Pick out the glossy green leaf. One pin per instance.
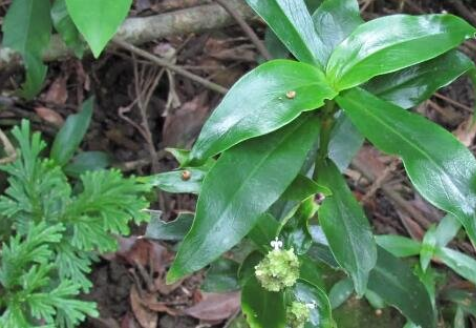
(258, 104)
(87, 161)
(66, 28)
(321, 314)
(406, 88)
(399, 246)
(334, 21)
(27, 30)
(345, 142)
(292, 23)
(274, 45)
(395, 283)
(390, 43)
(174, 230)
(221, 277)
(227, 209)
(341, 292)
(185, 180)
(374, 300)
(427, 248)
(462, 264)
(439, 166)
(263, 309)
(302, 188)
(446, 230)
(311, 272)
(265, 230)
(72, 133)
(98, 21)
(411, 86)
(346, 227)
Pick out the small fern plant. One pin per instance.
(54, 231)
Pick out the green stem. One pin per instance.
(327, 124)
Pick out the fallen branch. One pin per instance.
(145, 29)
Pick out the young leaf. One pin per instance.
(302, 188)
(71, 134)
(98, 21)
(27, 29)
(227, 207)
(334, 21)
(427, 248)
(439, 166)
(391, 43)
(411, 86)
(346, 227)
(396, 284)
(446, 230)
(292, 23)
(462, 264)
(267, 98)
(263, 309)
(66, 28)
(398, 246)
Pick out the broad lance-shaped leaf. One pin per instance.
(406, 88)
(243, 184)
(292, 23)
(395, 283)
(334, 21)
(411, 86)
(461, 263)
(27, 29)
(346, 227)
(439, 166)
(391, 43)
(265, 99)
(98, 21)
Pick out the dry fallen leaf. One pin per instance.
(57, 92)
(215, 306)
(145, 317)
(49, 116)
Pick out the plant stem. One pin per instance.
(327, 124)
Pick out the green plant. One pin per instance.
(28, 26)
(56, 227)
(284, 133)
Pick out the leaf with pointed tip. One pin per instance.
(391, 43)
(462, 264)
(72, 133)
(446, 230)
(245, 181)
(406, 88)
(442, 170)
(334, 21)
(398, 246)
(65, 27)
(411, 86)
(258, 104)
(292, 23)
(346, 227)
(395, 283)
(98, 21)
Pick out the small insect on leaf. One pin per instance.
(186, 175)
(291, 94)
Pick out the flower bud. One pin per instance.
(297, 315)
(278, 270)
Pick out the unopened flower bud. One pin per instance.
(278, 270)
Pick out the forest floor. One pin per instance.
(142, 109)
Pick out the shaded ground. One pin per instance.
(129, 286)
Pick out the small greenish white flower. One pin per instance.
(298, 314)
(279, 269)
